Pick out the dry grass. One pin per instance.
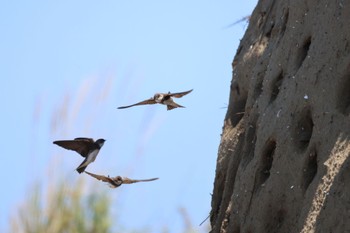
(69, 204)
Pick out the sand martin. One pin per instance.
(86, 147)
(115, 182)
(162, 98)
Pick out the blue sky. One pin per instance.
(67, 65)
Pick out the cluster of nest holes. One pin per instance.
(276, 86)
(238, 105)
(343, 98)
(303, 51)
(303, 130)
(309, 169)
(263, 172)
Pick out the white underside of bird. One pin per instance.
(91, 158)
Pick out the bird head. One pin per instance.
(100, 142)
(158, 97)
(117, 181)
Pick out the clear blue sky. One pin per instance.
(87, 58)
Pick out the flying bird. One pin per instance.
(162, 98)
(86, 147)
(115, 182)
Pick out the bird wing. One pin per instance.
(180, 94)
(99, 177)
(126, 180)
(90, 140)
(79, 145)
(149, 101)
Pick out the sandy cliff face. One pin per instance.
(283, 163)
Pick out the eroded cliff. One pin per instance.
(283, 162)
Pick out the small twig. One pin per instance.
(245, 18)
(204, 220)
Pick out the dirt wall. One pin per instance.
(283, 163)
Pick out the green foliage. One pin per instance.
(68, 207)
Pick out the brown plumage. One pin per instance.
(115, 182)
(162, 98)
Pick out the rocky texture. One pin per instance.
(283, 163)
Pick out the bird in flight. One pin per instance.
(86, 147)
(162, 98)
(115, 182)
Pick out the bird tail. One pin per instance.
(81, 169)
(174, 105)
(82, 166)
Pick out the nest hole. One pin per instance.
(249, 145)
(304, 129)
(263, 173)
(276, 86)
(303, 51)
(309, 170)
(343, 98)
